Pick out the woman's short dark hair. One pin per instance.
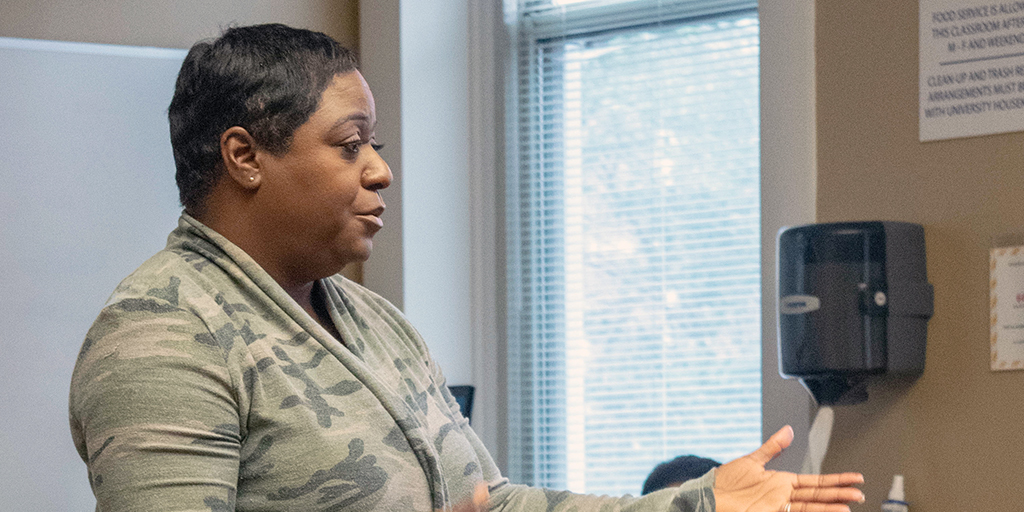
(265, 78)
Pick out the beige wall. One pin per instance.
(955, 432)
(169, 24)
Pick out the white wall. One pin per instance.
(88, 194)
(426, 270)
(435, 138)
(788, 170)
(439, 254)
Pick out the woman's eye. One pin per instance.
(351, 148)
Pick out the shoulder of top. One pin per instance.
(167, 277)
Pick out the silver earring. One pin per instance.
(252, 178)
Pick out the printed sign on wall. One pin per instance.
(971, 77)
(1006, 282)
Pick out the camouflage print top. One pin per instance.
(203, 386)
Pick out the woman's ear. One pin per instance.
(238, 153)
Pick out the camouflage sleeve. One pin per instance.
(694, 496)
(155, 411)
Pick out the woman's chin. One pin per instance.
(359, 252)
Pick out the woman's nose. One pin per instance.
(377, 174)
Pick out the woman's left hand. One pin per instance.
(476, 503)
(743, 485)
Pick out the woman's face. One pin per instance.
(318, 201)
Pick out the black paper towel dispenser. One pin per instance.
(854, 301)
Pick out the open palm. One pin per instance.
(743, 485)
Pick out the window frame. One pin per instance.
(788, 195)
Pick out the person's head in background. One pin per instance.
(676, 471)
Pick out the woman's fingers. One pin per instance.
(481, 496)
(743, 482)
(827, 495)
(477, 503)
(818, 507)
(773, 446)
(832, 480)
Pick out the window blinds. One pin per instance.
(634, 240)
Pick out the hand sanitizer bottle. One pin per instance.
(896, 502)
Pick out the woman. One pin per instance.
(235, 370)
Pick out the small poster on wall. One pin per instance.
(971, 68)
(1006, 282)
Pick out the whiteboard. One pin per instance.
(87, 194)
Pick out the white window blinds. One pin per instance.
(633, 236)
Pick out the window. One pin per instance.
(634, 240)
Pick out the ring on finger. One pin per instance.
(789, 505)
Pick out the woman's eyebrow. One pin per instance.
(357, 116)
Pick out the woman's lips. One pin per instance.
(372, 219)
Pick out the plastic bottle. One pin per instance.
(896, 501)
